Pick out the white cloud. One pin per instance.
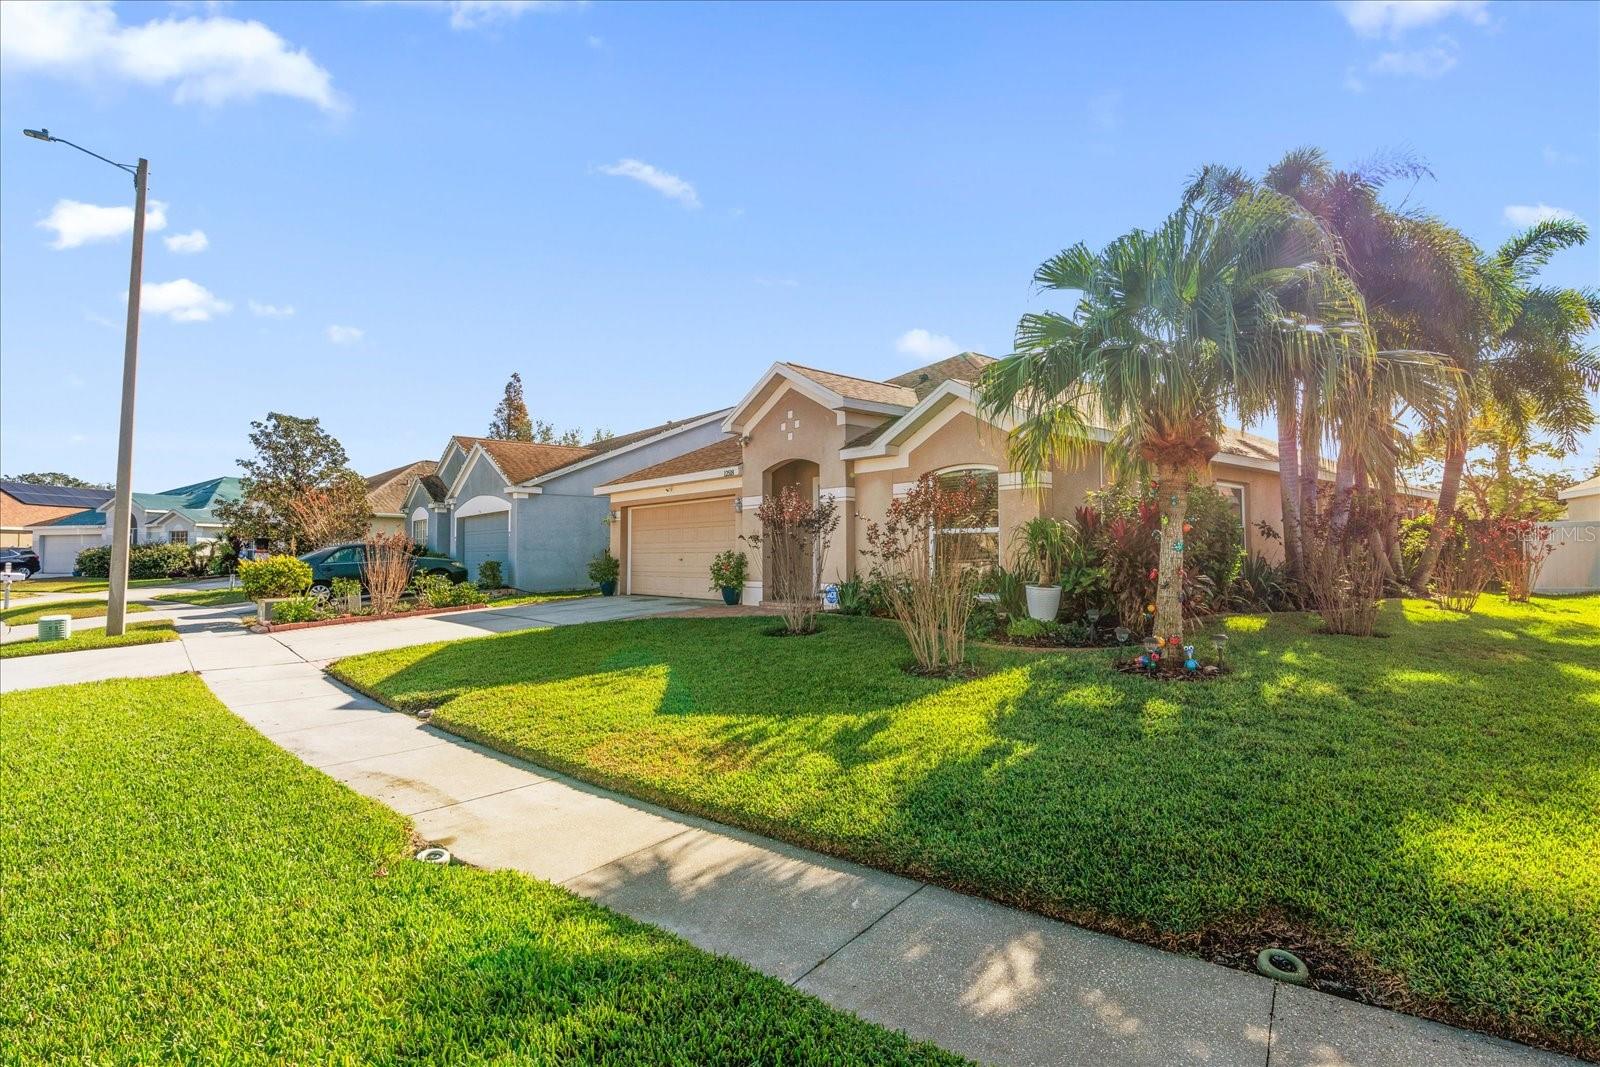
(1392, 18)
(1555, 157)
(476, 14)
(210, 60)
(182, 301)
(926, 345)
(345, 335)
(271, 311)
(1531, 214)
(1432, 62)
(668, 185)
(186, 244)
(594, 42)
(75, 223)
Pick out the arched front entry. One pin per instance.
(805, 478)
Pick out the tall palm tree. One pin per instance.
(1173, 327)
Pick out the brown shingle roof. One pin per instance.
(435, 486)
(858, 388)
(521, 460)
(611, 444)
(387, 492)
(964, 367)
(717, 456)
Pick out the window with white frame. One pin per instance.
(1234, 493)
(178, 537)
(975, 537)
(419, 531)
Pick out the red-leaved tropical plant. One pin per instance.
(931, 577)
(795, 532)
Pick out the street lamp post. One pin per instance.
(122, 508)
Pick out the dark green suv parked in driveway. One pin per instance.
(346, 560)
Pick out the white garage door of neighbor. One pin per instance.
(58, 553)
(671, 546)
(484, 537)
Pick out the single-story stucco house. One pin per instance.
(23, 504)
(184, 515)
(1582, 500)
(386, 495)
(531, 506)
(862, 443)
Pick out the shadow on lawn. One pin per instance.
(1337, 785)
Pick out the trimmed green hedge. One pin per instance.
(160, 560)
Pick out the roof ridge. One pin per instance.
(836, 374)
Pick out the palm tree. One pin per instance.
(1529, 368)
(1173, 327)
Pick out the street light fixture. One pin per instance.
(122, 508)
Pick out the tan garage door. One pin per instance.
(671, 546)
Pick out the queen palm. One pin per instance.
(1173, 327)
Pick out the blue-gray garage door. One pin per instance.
(484, 537)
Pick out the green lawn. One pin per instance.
(206, 598)
(78, 609)
(177, 889)
(139, 633)
(36, 586)
(1420, 809)
(541, 598)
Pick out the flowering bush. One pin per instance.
(728, 570)
(794, 533)
(930, 579)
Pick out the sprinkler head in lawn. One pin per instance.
(1283, 965)
(435, 854)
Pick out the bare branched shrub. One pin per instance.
(326, 516)
(1478, 551)
(387, 570)
(930, 578)
(795, 533)
(1343, 574)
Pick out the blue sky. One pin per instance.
(639, 207)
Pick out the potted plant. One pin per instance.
(1044, 541)
(603, 571)
(728, 572)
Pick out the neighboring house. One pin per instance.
(184, 515)
(532, 507)
(386, 495)
(23, 504)
(1583, 500)
(863, 443)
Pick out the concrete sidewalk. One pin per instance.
(990, 982)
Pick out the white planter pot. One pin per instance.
(1044, 602)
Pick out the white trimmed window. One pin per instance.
(977, 535)
(419, 531)
(1234, 493)
(178, 537)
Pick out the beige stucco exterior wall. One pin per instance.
(386, 525)
(1586, 508)
(1263, 502)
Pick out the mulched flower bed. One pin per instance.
(1170, 670)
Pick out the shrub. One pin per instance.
(1262, 586)
(386, 571)
(1041, 544)
(728, 570)
(1475, 551)
(1414, 534)
(931, 593)
(275, 576)
(1023, 628)
(463, 593)
(300, 609)
(345, 595)
(984, 621)
(1010, 589)
(604, 568)
(1343, 574)
(489, 574)
(795, 534)
(157, 560)
(435, 589)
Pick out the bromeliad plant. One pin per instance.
(931, 580)
(1173, 326)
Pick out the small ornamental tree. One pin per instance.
(387, 570)
(930, 578)
(795, 533)
(293, 456)
(1524, 545)
(326, 515)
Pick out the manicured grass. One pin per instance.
(180, 890)
(139, 633)
(1421, 808)
(206, 598)
(78, 609)
(541, 598)
(35, 586)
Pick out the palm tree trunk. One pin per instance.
(1344, 483)
(1172, 489)
(1310, 453)
(1455, 461)
(1289, 475)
